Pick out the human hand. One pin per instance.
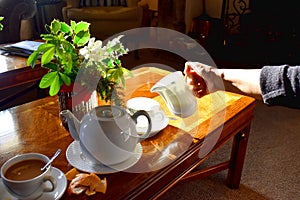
(203, 79)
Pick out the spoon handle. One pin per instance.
(53, 157)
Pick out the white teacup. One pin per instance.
(28, 182)
(149, 105)
(152, 107)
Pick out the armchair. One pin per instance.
(106, 17)
(18, 20)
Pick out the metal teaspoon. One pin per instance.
(51, 160)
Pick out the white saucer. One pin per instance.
(56, 194)
(79, 161)
(157, 125)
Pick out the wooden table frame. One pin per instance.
(34, 130)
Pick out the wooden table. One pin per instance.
(19, 82)
(15, 72)
(35, 127)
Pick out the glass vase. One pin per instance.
(79, 103)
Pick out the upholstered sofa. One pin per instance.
(107, 17)
(18, 20)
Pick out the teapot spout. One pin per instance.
(73, 123)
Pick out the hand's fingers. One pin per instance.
(194, 79)
(187, 71)
(190, 72)
(198, 93)
(187, 67)
(197, 84)
(198, 67)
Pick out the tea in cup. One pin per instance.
(23, 178)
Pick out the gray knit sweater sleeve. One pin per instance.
(280, 85)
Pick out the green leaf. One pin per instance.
(1, 25)
(116, 74)
(44, 47)
(73, 24)
(47, 37)
(47, 79)
(52, 66)
(65, 78)
(118, 62)
(48, 28)
(31, 61)
(60, 53)
(82, 26)
(109, 50)
(48, 56)
(127, 72)
(34, 56)
(65, 28)
(55, 86)
(81, 38)
(68, 47)
(67, 63)
(116, 47)
(55, 26)
(123, 81)
(110, 63)
(105, 60)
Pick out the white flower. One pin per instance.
(93, 51)
(84, 52)
(114, 41)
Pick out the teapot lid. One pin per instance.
(108, 112)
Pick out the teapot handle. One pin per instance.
(136, 115)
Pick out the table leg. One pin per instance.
(237, 158)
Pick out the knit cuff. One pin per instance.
(272, 82)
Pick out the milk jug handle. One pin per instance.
(136, 115)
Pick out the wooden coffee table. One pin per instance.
(19, 82)
(167, 158)
(14, 72)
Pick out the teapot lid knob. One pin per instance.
(108, 112)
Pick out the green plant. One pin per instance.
(1, 25)
(68, 48)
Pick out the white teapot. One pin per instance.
(107, 134)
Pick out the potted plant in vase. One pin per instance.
(68, 50)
